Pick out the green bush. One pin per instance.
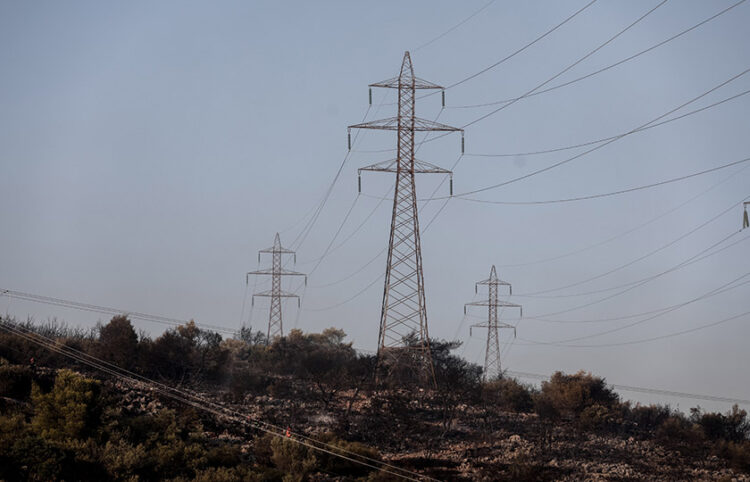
(343, 467)
(70, 410)
(299, 461)
(294, 459)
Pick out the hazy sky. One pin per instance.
(148, 150)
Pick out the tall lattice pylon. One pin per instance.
(492, 368)
(403, 323)
(275, 322)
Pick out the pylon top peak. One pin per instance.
(406, 77)
(277, 240)
(406, 68)
(493, 272)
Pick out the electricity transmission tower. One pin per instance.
(745, 221)
(403, 337)
(492, 368)
(275, 325)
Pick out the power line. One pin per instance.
(718, 290)
(338, 174)
(658, 311)
(455, 26)
(613, 193)
(638, 285)
(604, 69)
(660, 337)
(647, 255)
(336, 234)
(578, 156)
(354, 273)
(624, 233)
(343, 222)
(683, 264)
(308, 227)
(351, 234)
(589, 54)
(597, 141)
(518, 51)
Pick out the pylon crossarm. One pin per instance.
(501, 304)
(282, 272)
(393, 83)
(488, 282)
(506, 325)
(283, 294)
(420, 167)
(486, 324)
(276, 250)
(391, 124)
(478, 325)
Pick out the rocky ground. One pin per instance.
(473, 446)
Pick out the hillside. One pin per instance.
(110, 404)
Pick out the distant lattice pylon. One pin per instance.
(492, 368)
(403, 323)
(275, 322)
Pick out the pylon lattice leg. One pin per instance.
(275, 323)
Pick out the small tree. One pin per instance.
(508, 394)
(571, 394)
(732, 427)
(118, 342)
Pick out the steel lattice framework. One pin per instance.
(275, 323)
(403, 322)
(492, 368)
